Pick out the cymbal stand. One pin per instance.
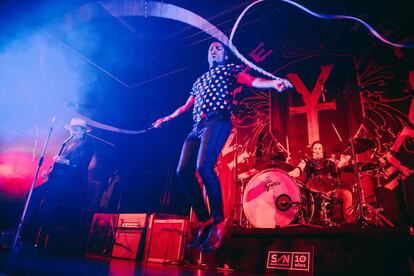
(326, 203)
(242, 220)
(361, 204)
(362, 207)
(378, 198)
(378, 187)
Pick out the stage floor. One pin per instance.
(34, 263)
(349, 250)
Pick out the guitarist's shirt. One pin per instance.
(73, 177)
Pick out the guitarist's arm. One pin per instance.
(61, 160)
(58, 159)
(81, 156)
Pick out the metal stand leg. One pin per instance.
(361, 204)
(362, 207)
(22, 220)
(325, 205)
(242, 220)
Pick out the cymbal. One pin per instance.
(266, 164)
(361, 166)
(360, 145)
(363, 144)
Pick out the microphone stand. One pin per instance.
(39, 165)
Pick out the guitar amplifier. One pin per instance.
(165, 240)
(101, 234)
(129, 236)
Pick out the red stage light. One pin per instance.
(17, 169)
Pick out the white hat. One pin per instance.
(78, 122)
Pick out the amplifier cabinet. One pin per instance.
(165, 241)
(101, 234)
(129, 236)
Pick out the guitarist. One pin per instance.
(67, 181)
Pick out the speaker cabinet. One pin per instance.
(129, 236)
(101, 234)
(165, 240)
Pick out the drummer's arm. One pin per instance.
(296, 172)
(343, 161)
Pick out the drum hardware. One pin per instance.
(273, 199)
(327, 201)
(243, 177)
(301, 221)
(377, 189)
(284, 202)
(380, 218)
(362, 207)
(378, 200)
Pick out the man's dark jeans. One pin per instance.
(199, 154)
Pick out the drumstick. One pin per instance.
(287, 143)
(337, 133)
(279, 145)
(287, 149)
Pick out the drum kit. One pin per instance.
(270, 198)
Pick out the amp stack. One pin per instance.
(138, 236)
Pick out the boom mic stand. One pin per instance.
(39, 165)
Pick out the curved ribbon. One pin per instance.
(315, 14)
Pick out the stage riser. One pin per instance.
(349, 253)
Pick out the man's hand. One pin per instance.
(160, 121)
(45, 174)
(281, 84)
(61, 160)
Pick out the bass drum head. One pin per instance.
(272, 198)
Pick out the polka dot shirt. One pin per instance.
(213, 91)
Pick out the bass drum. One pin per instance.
(272, 198)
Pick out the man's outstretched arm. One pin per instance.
(177, 112)
(278, 84)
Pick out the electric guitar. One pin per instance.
(52, 170)
(106, 196)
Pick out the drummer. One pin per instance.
(325, 172)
